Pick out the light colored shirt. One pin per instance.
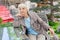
(30, 30)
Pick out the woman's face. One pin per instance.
(23, 11)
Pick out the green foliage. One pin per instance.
(9, 24)
(36, 1)
(20, 28)
(56, 8)
(45, 7)
(41, 8)
(51, 23)
(57, 16)
(55, 25)
(1, 20)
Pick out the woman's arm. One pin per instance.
(44, 25)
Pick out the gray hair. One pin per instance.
(22, 5)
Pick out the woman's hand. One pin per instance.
(51, 31)
(19, 15)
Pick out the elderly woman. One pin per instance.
(33, 26)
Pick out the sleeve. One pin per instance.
(42, 23)
(16, 22)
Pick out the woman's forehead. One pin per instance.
(22, 8)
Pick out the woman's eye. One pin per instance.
(23, 8)
(19, 9)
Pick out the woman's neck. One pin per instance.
(26, 15)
